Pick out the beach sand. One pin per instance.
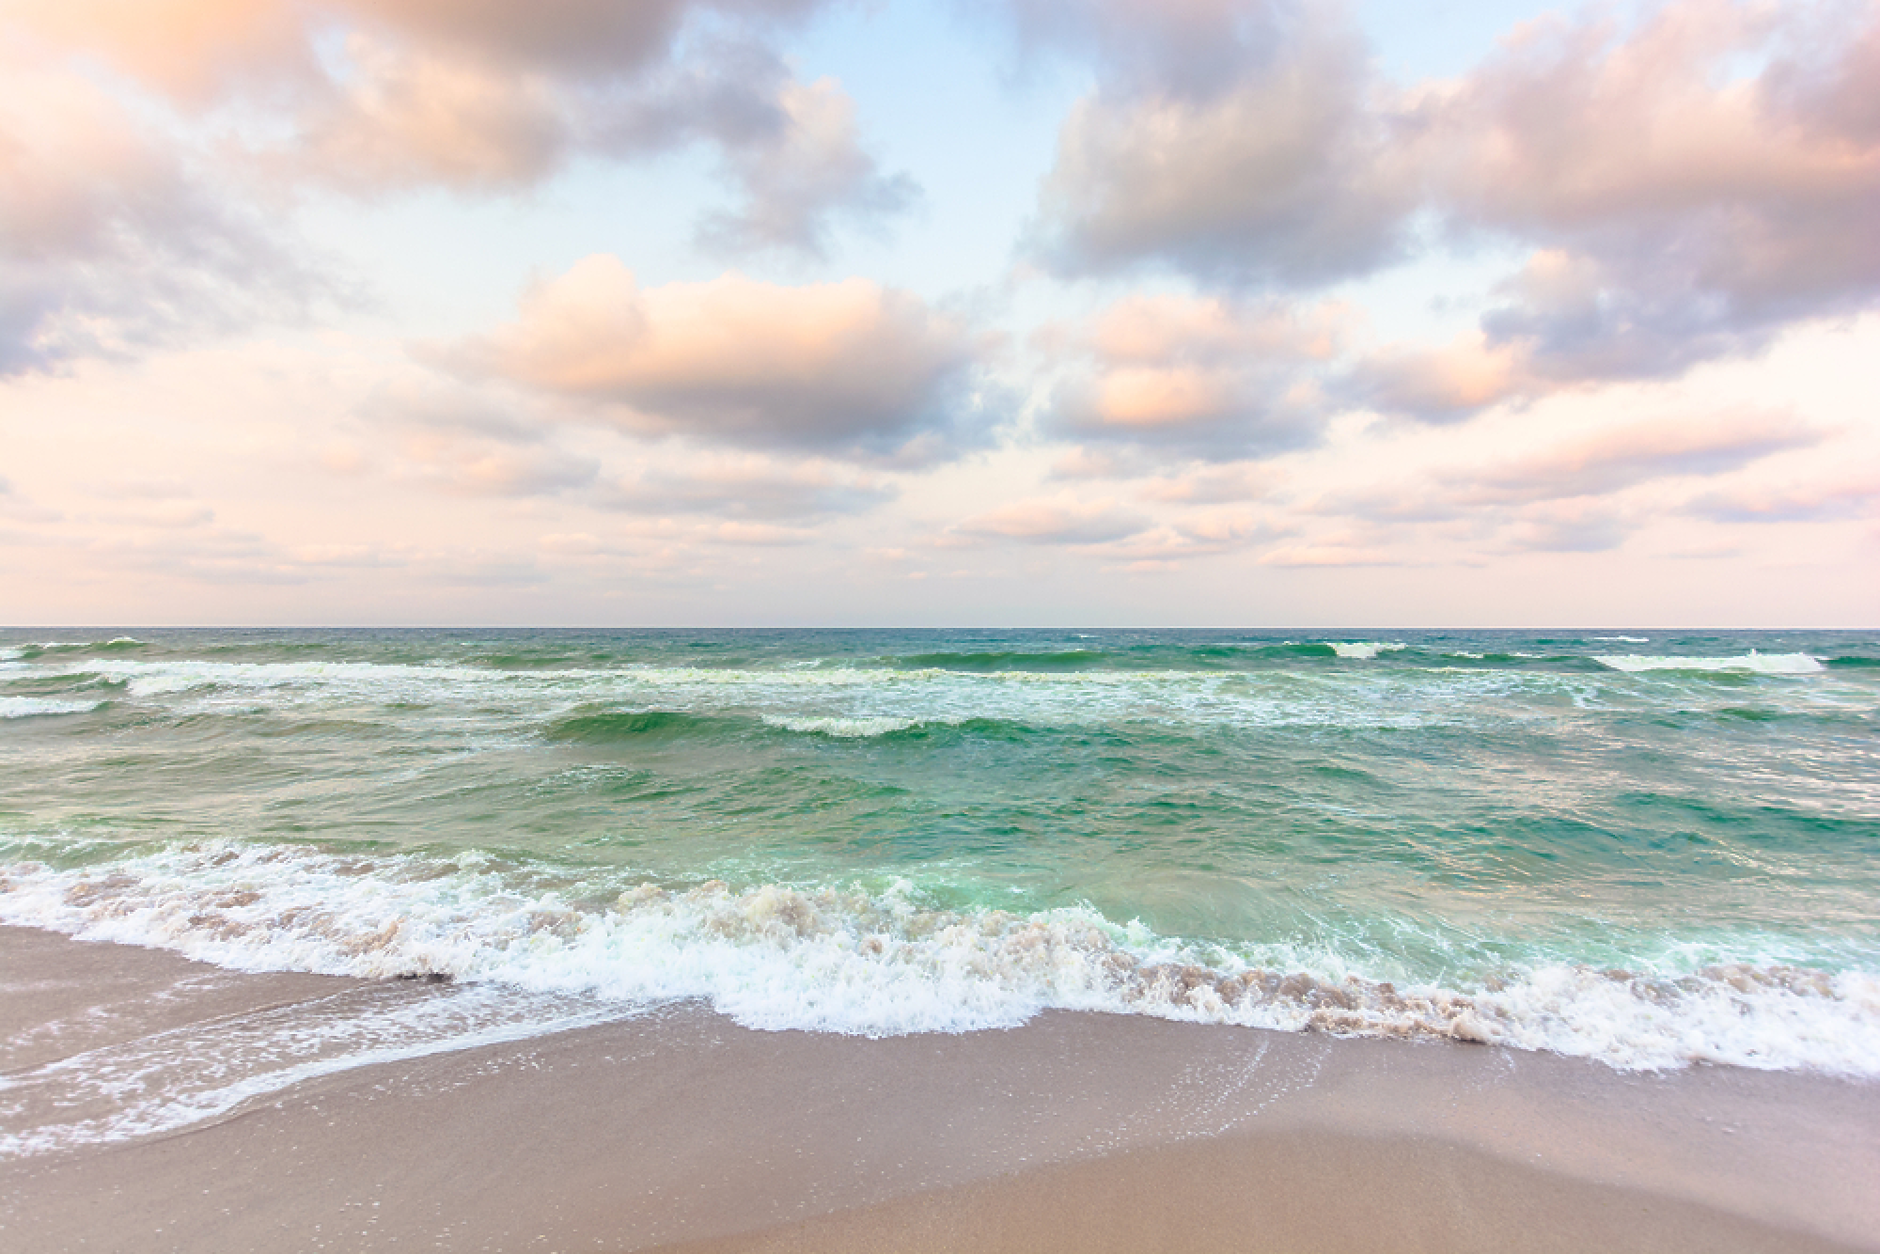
(679, 1130)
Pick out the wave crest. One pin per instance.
(1747, 663)
(886, 962)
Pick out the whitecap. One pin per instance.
(36, 707)
(845, 728)
(1365, 650)
(881, 962)
(1747, 663)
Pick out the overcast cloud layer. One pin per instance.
(937, 310)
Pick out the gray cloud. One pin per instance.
(1677, 207)
(1284, 174)
(110, 241)
(1675, 219)
(792, 148)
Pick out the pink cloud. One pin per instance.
(1675, 207)
(1816, 502)
(480, 95)
(844, 366)
(110, 239)
(1620, 457)
(749, 488)
(1199, 374)
(1062, 519)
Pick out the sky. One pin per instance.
(940, 312)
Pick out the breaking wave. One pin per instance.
(1747, 663)
(37, 707)
(887, 962)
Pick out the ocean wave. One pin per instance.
(842, 728)
(205, 1071)
(640, 726)
(1365, 650)
(997, 661)
(1623, 639)
(37, 707)
(117, 644)
(1747, 663)
(886, 962)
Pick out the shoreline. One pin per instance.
(676, 1129)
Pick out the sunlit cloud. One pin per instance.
(480, 97)
(1674, 209)
(1063, 519)
(748, 488)
(430, 310)
(1190, 374)
(848, 367)
(112, 241)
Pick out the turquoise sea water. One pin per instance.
(1642, 847)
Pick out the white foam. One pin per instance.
(170, 1080)
(1623, 639)
(1747, 663)
(35, 707)
(1365, 650)
(846, 728)
(884, 963)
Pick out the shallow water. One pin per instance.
(1645, 848)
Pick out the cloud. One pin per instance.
(1198, 375)
(1283, 173)
(848, 368)
(190, 50)
(109, 240)
(1333, 551)
(1621, 457)
(748, 489)
(195, 49)
(1817, 502)
(1203, 535)
(411, 118)
(1571, 495)
(1683, 189)
(1679, 210)
(793, 148)
(810, 169)
(1211, 485)
(1568, 527)
(378, 95)
(463, 443)
(1062, 519)
(1444, 384)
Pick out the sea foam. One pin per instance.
(1750, 663)
(36, 707)
(887, 962)
(1365, 650)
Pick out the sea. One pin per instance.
(1647, 848)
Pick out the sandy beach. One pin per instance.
(680, 1130)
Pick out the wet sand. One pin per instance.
(679, 1130)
